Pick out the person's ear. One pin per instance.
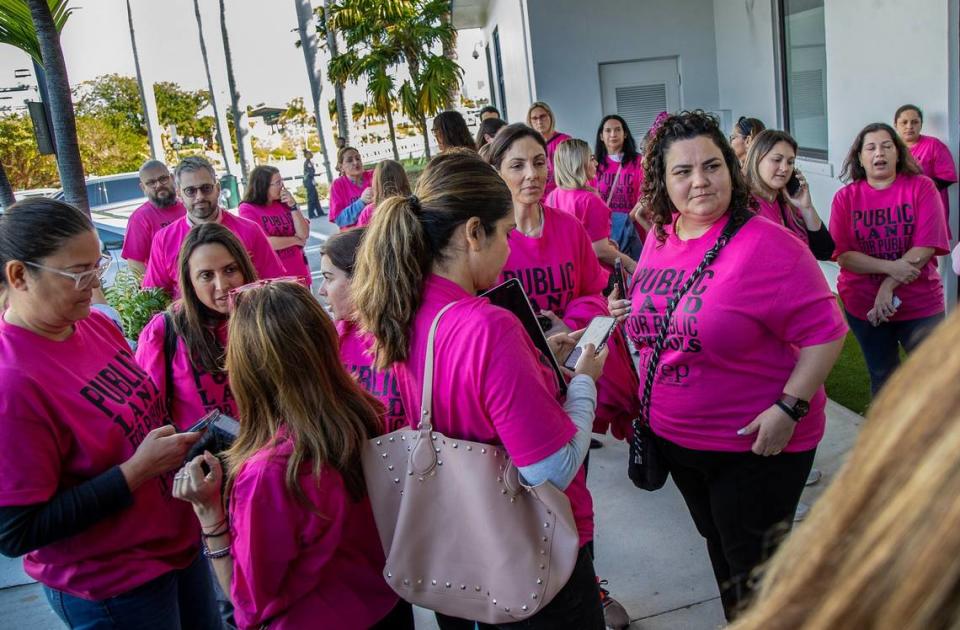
(474, 234)
(16, 273)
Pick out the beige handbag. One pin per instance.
(463, 535)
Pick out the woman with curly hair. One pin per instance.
(736, 398)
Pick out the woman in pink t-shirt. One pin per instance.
(337, 264)
(288, 524)
(575, 167)
(350, 192)
(541, 118)
(888, 225)
(193, 379)
(768, 169)
(443, 245)
(389, 180)
(737, 400)
(86, 458)
(451, 132)
(619, 181)
(270, 205)
(931, 155)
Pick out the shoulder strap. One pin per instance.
(613, 186)
(426, 399)
(729, 231)
(169, 351)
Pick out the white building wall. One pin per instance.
(510, 17)
(571, 38)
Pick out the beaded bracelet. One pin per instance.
(219, 553)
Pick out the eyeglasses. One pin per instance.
(162, 180)
(205, 189)
(233, 294)
(84, 279)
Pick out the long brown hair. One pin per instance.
(192, 320)
(389, 180)
(285, 371)
(685, 126)
(409, 234)
(258, 186)
(853, 171)
(763, 144)
(881, 547)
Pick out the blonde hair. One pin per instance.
(570, 164)
(546, 108)
(881, 548)
(409, 234)
(389, 180)
(285, 372)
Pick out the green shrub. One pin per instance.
(136, 306)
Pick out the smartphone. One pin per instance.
(793, 184)
(203, 423)
(545, 323)
(897, 302)
(620, 279)
(596, 333)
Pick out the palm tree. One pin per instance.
(331, 36)
(450, 52)
(308, 43)
(6, 190)
(357, 111)
(34, 27)
(147, 98)
(240, 123)
(223, 131)
(372, 62)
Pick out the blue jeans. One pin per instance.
(881, 344)
(178, 600)
(624, 234)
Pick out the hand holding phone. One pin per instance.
(619, 279)
(596, 335)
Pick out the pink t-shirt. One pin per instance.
(355, 351)
(734, 339)
(344, 192)
(146, 221)
(785, 215)
(560, 273)
(629, 185)
(195, 391)
(296, 567)
(69, 411)
(552, 145)
(162, 268)
(489, 384)
(366, 215)
(277, 220)
(936, 162)
(885, 224)
(587, 206)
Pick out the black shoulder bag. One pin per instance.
(646, 468)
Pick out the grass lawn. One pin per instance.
(849, 382)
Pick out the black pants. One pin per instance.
(576, 607)
(742, 504)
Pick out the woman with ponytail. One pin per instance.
(443, 245)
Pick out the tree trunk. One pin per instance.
(450, 52)
(63, 120)
(393, 135)
(6, 190)
(147, 98)
(342, 129)
(426, 137)
(308, 43)
(240, 123)
(223, 131)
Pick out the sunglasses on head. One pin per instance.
(233, 294)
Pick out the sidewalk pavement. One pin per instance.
(646, 546)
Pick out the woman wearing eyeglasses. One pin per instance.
(212, 262)
(269, 204)
(86, 460)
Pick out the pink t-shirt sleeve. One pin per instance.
(136, 240)
(248, 212)
(365, 215)
(150, 351)
(512, 402)
(158, 272)
(942, 162)
(27, 441)
(843, 237)
(931, 223)
(339, 196)
(596, 218)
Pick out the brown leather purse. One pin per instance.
(462, 533)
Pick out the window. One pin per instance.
(803, 74)
(119, 190)
(501, 86)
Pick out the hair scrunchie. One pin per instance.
(414, 202)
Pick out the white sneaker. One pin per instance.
(814, 477)
(802, 510)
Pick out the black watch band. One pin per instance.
(790, 411)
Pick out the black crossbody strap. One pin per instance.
(728, 231)
(169, 351)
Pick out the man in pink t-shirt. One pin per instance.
(200, 191)
(161, 209)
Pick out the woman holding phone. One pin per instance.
(781, 190)
(287, 523)
(443, 245)
(270, 205)
(86, 474)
